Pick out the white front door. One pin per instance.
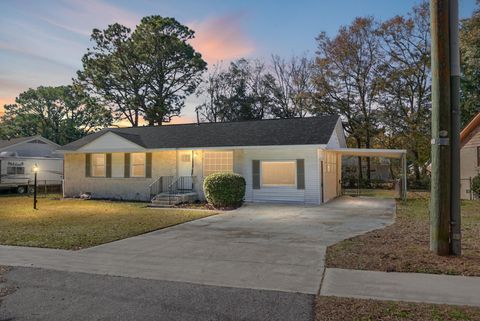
(185, 166)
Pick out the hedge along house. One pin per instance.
(283, 160)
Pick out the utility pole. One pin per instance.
(445, 190)
(455, 229)
(440, 204)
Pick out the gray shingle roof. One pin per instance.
(295, 131)
(9, 142)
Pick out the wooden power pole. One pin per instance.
(455, 212)
(444, 206)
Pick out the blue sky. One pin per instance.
(42, 42)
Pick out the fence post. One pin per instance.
(470, 188)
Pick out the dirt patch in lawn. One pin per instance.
(345, 309)
(404, 246)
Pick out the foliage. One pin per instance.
(348, 78)
(224, 189)
(236, 93)
(406, 88)
(476, 185)
(419, 184)
(470, 63)
(290, 87)
(251, 89)
(61, 114)
(147, 72)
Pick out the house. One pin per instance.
(19, 155)
(282, 160)
(469, 156)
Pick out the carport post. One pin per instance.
(404, 178)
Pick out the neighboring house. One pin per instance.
(469, 156)
(19, 155)
(284, 160)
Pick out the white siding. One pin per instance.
(468, 164)
(110, 142)
(338, 136)
(310, 195)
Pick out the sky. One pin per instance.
(42, 42)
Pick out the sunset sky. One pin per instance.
(42, 42)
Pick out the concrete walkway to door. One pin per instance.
(259, 246)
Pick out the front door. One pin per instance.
(185, 169)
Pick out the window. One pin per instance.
(15, 170)
(98, 165)
(137, 164)
(215, 162)
(330, 162)
(279, 173)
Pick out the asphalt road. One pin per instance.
(55, 295)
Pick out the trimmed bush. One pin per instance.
(224, 189)
(476, 185)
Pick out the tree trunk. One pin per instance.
(360, 171)
(416, 165)
(368, 159)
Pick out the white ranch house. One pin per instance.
(283, 160)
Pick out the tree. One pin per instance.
(406, 89)
(291, 88)
(147, 72)
(470, 63)
(61, 114)
(236, 93)
(348, 79)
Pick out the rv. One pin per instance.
(19, 156)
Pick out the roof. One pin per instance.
(466, 133)
(15, 141)
(369, 152)
(293, 131)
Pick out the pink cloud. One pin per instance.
(81, 16)
(222, 38)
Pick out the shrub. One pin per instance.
(476, 185)
(224, 189)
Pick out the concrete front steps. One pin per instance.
(170, 200)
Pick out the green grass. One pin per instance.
(77, 224)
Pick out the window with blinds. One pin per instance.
(216, 162)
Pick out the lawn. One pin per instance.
(77, 224)
(334, 309)
(404, 246)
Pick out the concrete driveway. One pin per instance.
(259, 246)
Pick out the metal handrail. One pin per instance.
(171, 185)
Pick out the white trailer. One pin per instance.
(16, 172)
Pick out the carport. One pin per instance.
(387, 153)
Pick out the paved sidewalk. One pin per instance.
(413, 287)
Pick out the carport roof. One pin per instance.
(367, 152)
